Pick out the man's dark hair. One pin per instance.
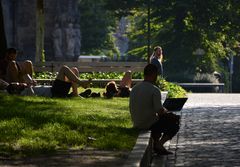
(111, 89)
(150, 69)
(11, 50)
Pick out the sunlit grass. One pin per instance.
(31, 125)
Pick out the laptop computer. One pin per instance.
(174, 104)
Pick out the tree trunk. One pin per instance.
(40, 57)
(3, 43)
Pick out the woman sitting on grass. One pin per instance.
(121, 90)
(65, 79)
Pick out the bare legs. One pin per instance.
(26, 67)
(126, 80)
(74, 84)
(70, 75)
(17, 72)
(12, 72)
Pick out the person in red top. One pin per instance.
(13, 71)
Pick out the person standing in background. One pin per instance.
(157, 59)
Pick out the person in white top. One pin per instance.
(147, 112)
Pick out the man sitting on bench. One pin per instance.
(148, 113)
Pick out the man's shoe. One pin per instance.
(86, 93)
(162, 151)
(95, 94)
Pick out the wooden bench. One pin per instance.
(111, 67)
(91, 66)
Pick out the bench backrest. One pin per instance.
(92, 66)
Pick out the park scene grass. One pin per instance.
(34, 125)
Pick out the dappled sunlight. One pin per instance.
(35, 125)
(209, 134)
(202, 143)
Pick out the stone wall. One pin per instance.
(20, 26)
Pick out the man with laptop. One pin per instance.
(148, 113)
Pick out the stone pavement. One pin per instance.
(209, 135)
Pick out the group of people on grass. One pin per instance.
(16, 78)
(146, 109)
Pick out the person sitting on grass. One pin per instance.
(65, 79)
(147, 112)
(121, 90)
(13, 71)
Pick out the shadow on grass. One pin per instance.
(40, 125)
(35, 112)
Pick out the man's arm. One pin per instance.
(158, 107)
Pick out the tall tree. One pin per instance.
(40, 31)
(96, 26)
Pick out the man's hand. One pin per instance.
(163, 110)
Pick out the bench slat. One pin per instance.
(91, 66)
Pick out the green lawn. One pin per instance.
(33, 125)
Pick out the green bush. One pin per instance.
(174, 91)
(44, 75)
(93, 75)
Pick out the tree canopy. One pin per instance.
(183, 27)
(197, 36)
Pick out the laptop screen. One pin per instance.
(174, 104)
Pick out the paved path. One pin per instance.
(209, 135)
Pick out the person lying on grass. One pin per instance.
(121, 90)
(65, 79)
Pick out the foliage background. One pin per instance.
(180, 27)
